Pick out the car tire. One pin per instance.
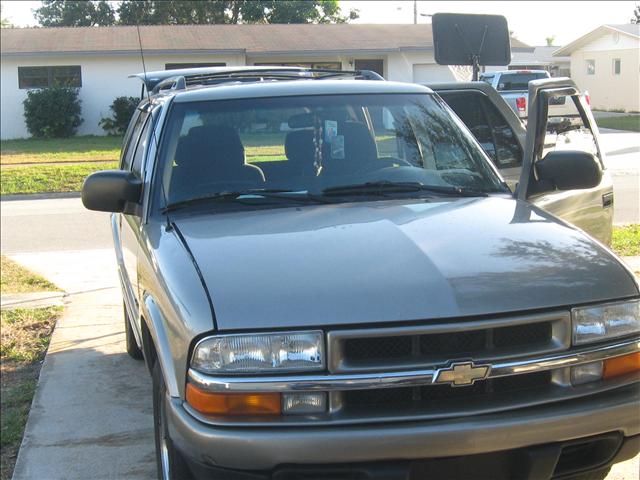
(593, 475)
(133, 349)
(169, 462)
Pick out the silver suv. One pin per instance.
(328, 278)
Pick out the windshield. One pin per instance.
(518, 81)
(312, 144)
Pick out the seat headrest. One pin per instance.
(218, 141)
(298, 146)
(359, 144)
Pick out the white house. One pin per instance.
(606, 62)
(98, 60)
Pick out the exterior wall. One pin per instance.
(609, 91)
(103, 79)
(417, 67)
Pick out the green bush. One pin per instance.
(122, 108)
(52, 112)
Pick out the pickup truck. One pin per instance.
(328, 278)
(513, 86)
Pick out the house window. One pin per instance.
(177, 66)
(616, 66)
(43, 77)
(319, 65)
(373, 65)
(591, 67)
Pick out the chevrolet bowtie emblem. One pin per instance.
(461, 373)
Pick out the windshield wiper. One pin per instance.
(232, 196)
(386, 187)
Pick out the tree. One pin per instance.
(132, 12)
(636, 15)
(61, 13)
(4, 22)
(550, 40)
(166, 12)
(294, 11)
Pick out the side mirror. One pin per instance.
(112, 191)
(569, 170)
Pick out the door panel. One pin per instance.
(568, 129)
(502, 136)
(130, 225)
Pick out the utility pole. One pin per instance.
(415, 12)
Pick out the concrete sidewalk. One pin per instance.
(91, 415)
(11, 301)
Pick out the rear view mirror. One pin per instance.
(569, 170)
(112, 191)
(301, 120)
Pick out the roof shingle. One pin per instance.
(252, 39)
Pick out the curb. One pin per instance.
(39, 196)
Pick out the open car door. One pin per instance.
(504, 138)
(555, 162)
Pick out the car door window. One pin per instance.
(141, 148)
(566, 129)
(488, 125)
(508, 153)
(133, 132)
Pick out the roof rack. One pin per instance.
(154, 82)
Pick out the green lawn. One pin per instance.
(16, 279)
(626, 240)
(24, 339)
(47, 178)
(628, 122)
(74, 149)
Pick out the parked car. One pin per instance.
(513, 86)
(328, 278)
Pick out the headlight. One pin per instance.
(260, 353)
(602, 322)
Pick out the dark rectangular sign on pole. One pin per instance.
(465, 39)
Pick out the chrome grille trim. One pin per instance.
(560, 340)
(339, 417)
(406, 378)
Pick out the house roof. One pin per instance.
(249, 39)
(632, 30)
(539, 56)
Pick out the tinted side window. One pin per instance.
(507, 147)
(488, 126)
(141, 148)
(468, 106)
(517, 81)
(131, 139)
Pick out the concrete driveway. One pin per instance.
(91, 416)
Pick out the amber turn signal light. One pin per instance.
(614, 367)
(211, 403)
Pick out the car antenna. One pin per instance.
(169, 226)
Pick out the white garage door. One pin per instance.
(432, 72)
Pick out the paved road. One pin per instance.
(59, 224)
(91, 416)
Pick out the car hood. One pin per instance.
(390, 261)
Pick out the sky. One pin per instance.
(531, 22)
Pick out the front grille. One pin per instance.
(421, 348)
(428, 396)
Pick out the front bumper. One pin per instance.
(266, 448)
